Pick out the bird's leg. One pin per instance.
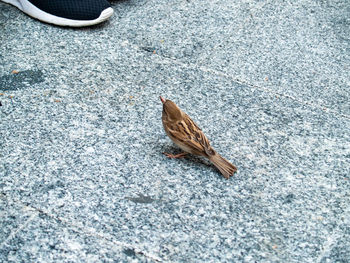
(176, 156)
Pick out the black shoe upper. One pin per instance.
(72, 9)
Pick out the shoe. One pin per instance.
(74, 13)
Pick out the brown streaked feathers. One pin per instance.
(185, 133)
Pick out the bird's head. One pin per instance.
(171, 110)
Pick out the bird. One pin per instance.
(185, 133)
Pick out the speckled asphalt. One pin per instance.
(82, 174)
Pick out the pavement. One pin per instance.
(82, 174)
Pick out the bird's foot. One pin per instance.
(175, 156)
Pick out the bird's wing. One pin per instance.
(190, 135)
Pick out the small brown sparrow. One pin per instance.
(190, 138)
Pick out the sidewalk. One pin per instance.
(82, 175)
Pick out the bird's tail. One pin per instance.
(226, 168)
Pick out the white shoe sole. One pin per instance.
(33, 11)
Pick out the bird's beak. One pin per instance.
(162, 99)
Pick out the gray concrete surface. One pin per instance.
(82, 175)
